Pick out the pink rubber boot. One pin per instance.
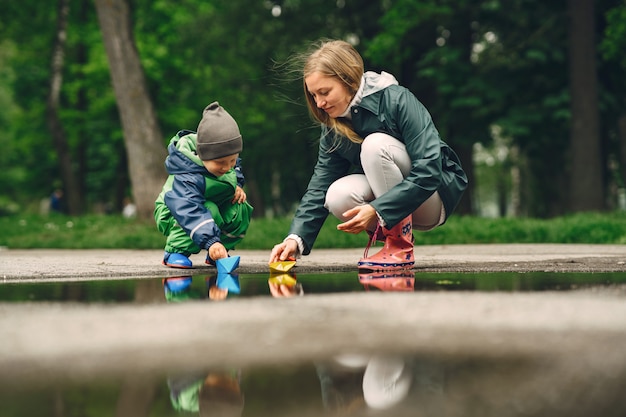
(397, 253)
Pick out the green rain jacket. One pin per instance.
(198, 202)
(394, 110)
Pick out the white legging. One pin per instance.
(385, 164)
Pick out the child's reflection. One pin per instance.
(217, 287)
(222, 285)
(214, 392)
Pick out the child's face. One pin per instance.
(221, 166)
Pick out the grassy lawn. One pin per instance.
(116, 232)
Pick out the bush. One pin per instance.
(117, 232)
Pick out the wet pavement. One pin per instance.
(76, 264)
(512, 353)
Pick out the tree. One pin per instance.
(142, 135)
(477, 66)
(431, 55)
(525, 69)
(612, 47)
(586, 169)
(72, 194)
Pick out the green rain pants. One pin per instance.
(232, 219)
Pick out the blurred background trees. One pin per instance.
(531, 95)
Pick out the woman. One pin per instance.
(381, 167)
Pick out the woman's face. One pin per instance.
(330, 94)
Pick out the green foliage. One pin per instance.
(473, 64)
(590, 228)
(85, 232)
(614, 42)
(116, 232)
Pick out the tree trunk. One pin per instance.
(82, 106)
(142, 136)
(621, 124)
(586, 180)
(71, 186)
(136, 397)
(137, 392)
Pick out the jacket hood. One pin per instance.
(371, 82)
(182, 156)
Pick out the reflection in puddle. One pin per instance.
(244, 285)
(386, 383)
(398, 281)
(354, 385)
(216, 287)
(214, 393)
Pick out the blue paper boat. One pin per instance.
(228, 282)
(227, 265)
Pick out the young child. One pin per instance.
(202, 204)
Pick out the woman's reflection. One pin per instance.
(353, 383)
(389, 281)
(284, 285)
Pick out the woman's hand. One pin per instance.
(283, 251)
(284, 291)
(361, 218)
(240, 195)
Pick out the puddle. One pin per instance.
(380, 385)
(387, 383)
(248, 285)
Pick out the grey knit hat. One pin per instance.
(218, 134)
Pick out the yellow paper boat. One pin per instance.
(282, 279)
(282, 266)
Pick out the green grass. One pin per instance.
(116, 232)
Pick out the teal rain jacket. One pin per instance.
(393, 110)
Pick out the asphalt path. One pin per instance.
(563, 339)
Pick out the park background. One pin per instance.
(530, 94)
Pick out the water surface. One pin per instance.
(386, 383)
(249, 285)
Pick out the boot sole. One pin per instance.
(368, 266)
(177, 266)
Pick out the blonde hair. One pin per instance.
(338, 59)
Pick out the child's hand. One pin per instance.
(217, 251)
(240, 195)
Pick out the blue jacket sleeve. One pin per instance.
(186, 202)
(241, 181)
